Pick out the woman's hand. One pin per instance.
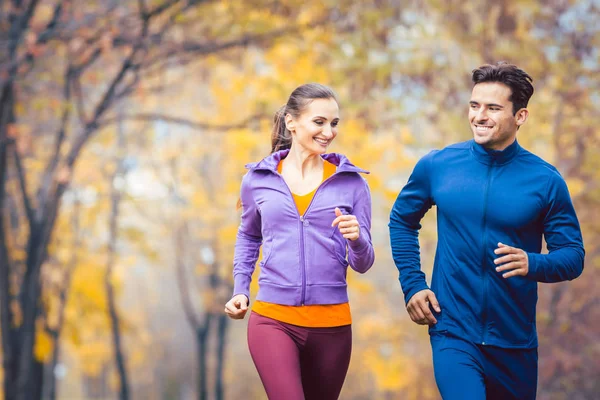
(237, 307)
(347, 224)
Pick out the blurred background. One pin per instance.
(124, 130)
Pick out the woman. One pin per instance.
(309, 210)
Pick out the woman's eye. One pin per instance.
(334, 124)
(319, 122)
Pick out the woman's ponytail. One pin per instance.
(281, 137)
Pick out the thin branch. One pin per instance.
(183, 121)
(60, 137)
(23, 186)
(44, 37)
(104, 103)
(80, 68)
(79, 99)
(143, 10)
(47, 34)
(197, 48)
(128, 89)
(162, 8)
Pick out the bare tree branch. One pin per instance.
(164, 7)
(196, 48)
(184, 121)
(15, 62)
(104, 103)
(23, 186)
(60, 137)
(76, 81)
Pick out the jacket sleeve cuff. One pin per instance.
(533, 267)
(408, 295)
(358, 245)
(242, 285)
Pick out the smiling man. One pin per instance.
(495, 201)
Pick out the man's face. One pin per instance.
(491, 115)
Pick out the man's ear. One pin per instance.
(521, 116)
(289, 122)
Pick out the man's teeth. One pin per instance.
(483, 127)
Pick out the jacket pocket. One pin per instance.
(280, 264)
(266, 256)
(339, 246)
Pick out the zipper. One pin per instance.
(484, 306)
(303, 222)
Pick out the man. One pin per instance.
(495, 200)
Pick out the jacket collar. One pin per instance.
(271, 162)
(498, 157)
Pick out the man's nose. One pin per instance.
(481, 114)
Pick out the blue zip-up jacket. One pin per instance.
(484, 197)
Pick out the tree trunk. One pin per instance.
(222, 339)
(50, 379)
(8, 344)
(29, 301)
(112, 308)
(37, 377)
(202, 342)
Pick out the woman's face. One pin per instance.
(316, 127)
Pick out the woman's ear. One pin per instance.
(289, 122)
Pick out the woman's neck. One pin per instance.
(303, 161)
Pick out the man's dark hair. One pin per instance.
(515, 78)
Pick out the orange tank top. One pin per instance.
(313, 316)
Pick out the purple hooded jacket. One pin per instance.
(304, 257)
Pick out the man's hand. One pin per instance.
(237, 307)
(513, 260)
(347, 224)
(418, 307)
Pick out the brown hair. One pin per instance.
(302, 96)
(515, 78)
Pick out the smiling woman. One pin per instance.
(311, 212)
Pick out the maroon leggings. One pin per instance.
(297, 363)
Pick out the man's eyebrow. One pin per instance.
(472, 102)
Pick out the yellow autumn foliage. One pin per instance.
(44, 345)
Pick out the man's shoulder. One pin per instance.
(452, 150)
(535, 162)
(466, 145)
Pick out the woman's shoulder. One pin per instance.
(343, 163)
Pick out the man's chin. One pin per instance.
(480, 139)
